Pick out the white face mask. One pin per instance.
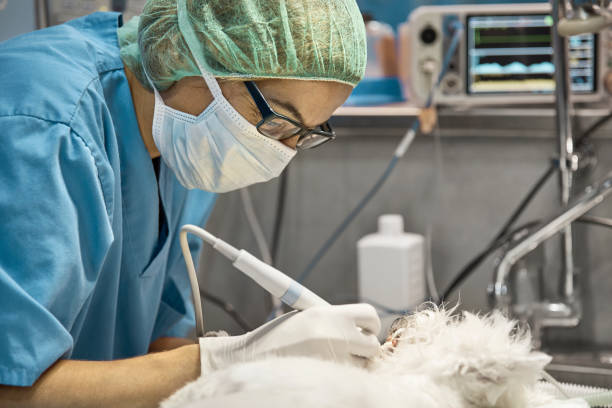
(218, 150)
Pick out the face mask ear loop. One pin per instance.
(158, 97)
(211, 82)
(189, 35)
(158, 118)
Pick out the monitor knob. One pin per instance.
(428, 35)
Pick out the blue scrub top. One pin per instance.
(84, 271)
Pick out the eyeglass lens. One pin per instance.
(312, 140)
(279, 128)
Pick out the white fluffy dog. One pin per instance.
(432, 359)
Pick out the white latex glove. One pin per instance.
(345, 333)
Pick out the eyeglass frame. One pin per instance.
(268, 113)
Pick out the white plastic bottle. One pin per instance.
(391, 268)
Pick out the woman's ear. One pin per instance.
(190, 95)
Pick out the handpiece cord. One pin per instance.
(193, 278)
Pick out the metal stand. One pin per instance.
(567, 312)
(566, 143)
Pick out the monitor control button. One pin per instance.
(429, 35)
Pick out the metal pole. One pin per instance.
(566, 145)
(42, 13)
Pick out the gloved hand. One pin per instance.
(345, 333)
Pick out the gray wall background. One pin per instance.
(485, 166)
(16, 17)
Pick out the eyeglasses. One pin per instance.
(279, 127)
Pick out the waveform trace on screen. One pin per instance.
(513, 54)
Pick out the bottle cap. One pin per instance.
(391, 224)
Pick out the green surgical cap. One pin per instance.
(320, 40)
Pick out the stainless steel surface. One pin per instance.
(566, 146)
(602, 221)
(545, 314)
(42, 13)
(586, 16)
(568, 311)
(592, 368)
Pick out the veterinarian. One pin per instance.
(113, 137)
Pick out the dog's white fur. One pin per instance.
(441, 360)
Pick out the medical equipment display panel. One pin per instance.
(513, 54)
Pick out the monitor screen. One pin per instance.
(513, 54)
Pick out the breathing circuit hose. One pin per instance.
(401, 149)
(601, 399)
(593, 396)
(360, 206)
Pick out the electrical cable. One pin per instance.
(435, 199)
(402, 147)
(579, 142)
(469, 268)
(526, 200)
(227, 308)
(477, 260)
(260, 238)
(592, 220)
(547, 174)
(231, 311)
(399, 153)
(276, 307)
(280, 214)
(432, 289)
(555, 384)
(346, 222)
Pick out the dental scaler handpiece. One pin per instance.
(271, 279)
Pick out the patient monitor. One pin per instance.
(504, 56)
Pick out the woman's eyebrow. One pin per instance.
(289, 107)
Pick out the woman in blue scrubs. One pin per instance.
(114, 137)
